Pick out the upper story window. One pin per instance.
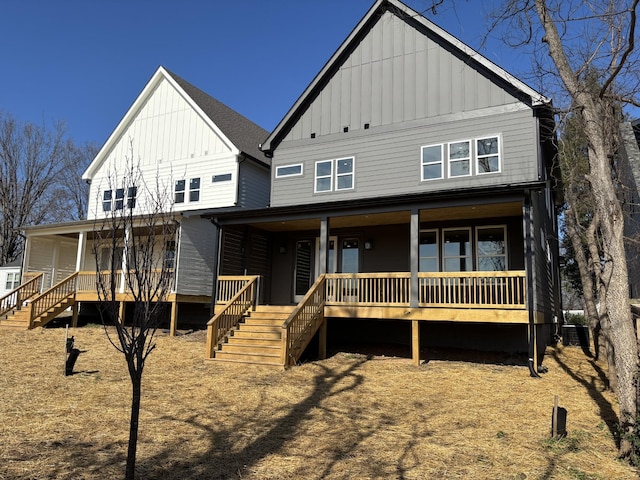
(225, 177)
(488, 155)
(194, 189)
(119, 205)
(464, 158)
(460, 159)
(106, 200)
(432, 162)
(289, 170)
(178, 192)
(334, 175)
(131, 196)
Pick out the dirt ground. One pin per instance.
(357, 415)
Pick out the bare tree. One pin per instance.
(70, 191)
(133, 246)
(573, 40)
(30, 161)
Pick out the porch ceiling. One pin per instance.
(509, 209)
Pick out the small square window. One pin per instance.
(179, 191)
(344, 173)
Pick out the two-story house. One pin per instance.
(174, 136)
(412, 198)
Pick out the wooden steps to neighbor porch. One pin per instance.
(257, 339)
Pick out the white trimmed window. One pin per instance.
(428, 254)
(289, 170)
(131, 196)
(460, 159)
(344, 173)
(178, 192)
(456, 243)
(106, 200)
(432, 162)
(13, 281)
(491, 248)
(488, 155)
(119, 205)
(334, 175)
(194, 189)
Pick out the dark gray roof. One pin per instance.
(244, 134)
(15, 263)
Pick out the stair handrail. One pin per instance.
(13, 299)
(231, 314)
(300, 327)
(60, 292)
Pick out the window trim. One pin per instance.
(471, 248)
(107, 200)
(424, 164)
(457, 160)
(506, 246)
(316, 177)
(194, 191)
(287, 175)
(438, 253)
(499, 154)
(351, 173)
(183, 184)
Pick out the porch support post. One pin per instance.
(322, 340)
(528, 240)
(216, 264)
(173, 325)
(415, 342)
(414, 287)
(324, 246)
(124, 260)
(25, 257)
(82, 246)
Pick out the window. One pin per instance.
(221, 178)
(342, 179)
(179, 191)
(491, 249)
(119, 199)
(432, 162)
(13, 280)
(131, 196)
(460, 159)
(194, 189)
(106, 200)
(457, 250)
(170, 254)
(107, 255)
(324, 176)
(350, 256)
(428, 253)
(289, 170)
(488, 155)
(344, 173)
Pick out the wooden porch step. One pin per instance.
(275, 308)
(262, 328)
(261, 359)
(251, 349)
(271, 339)
(256, 335)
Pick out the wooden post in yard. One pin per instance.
(415, 342)
(174, 318)
(322, 340)
(74, 314)
(121, 312)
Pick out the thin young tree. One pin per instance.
(132, 247)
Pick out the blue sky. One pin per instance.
(85, 61)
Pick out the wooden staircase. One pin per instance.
(20, 318)
(257, 339)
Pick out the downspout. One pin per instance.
(530, 280)
(216, 265)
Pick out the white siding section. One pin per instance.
(169, 141)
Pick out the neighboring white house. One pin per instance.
(9, 276)
(204, 154)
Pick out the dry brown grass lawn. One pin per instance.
(348, 417)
